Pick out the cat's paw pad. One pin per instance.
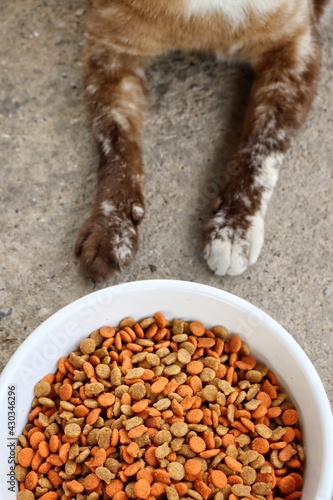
(107, 242)
(230, 247)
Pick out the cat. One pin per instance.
(277, 38)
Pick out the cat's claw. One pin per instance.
(230, 249)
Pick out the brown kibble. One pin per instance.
(25, 495)
(72, 430)
(42, 389)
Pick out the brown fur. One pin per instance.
(122, 36)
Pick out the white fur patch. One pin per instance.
(122, 242)
(268, 177)
(137, 212)
(235, 11)
(107, 208)
(231, 253)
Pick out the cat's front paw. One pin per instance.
(108, 240)
(233, 245)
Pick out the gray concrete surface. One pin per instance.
(47, 176)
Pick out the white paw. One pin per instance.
(230, 249)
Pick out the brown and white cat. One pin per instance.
(278, 38)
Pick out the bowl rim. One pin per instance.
(183, 285)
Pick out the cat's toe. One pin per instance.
(104, 248)
(231, 248)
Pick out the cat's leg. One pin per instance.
(281, 95)
(115, 90)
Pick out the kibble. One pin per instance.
(160, 409)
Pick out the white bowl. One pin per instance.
(269, 342)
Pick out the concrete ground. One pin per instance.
(47, 166)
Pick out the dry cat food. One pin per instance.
(160, 410)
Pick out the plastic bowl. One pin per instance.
(269, 342)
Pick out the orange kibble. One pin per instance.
(234, 479)
(65, 392)
(192, 467)
(120, 495)
(64, 451)
(264, 398)
(273, 412)
(146, 473)
(289, 434)
(259, 412)
(235, 343)
(290, 417)
(142, 488)
(159, 385)
(138, 431)
(158, 489)
(132, 469)
(197, 444)
(194, 416)
(161, 476)
(74, 486)
(44, 449)
(181, 488)
(202, 488)
(91, 482)
(269, 388)
(261, 445)
(50, 495)
(160, 320)
(286, 453)
(93, 416)
(54, 443)
(81, 411)
(133, 449)
(197, 328)
(106, 399)
(31, 480)
(194, 367)
(55, 479)
(89, 369)
(218, 478)
(113, 487)
(150, 457)
(25, 457)
(233, 464)
(287, 484)
(298, 478)
(36, 438)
